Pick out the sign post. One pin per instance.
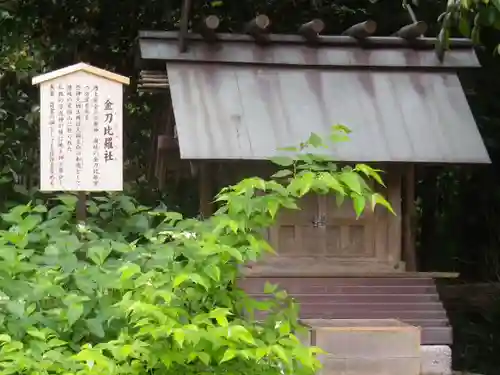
(81, 131)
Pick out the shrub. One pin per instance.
(140, 291)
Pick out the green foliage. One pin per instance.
(137, 291)
(317, 172)
(469, 17)
(42, 35)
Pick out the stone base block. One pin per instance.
(345, 338)
(435, 360)
(370, 366)
(366, 347)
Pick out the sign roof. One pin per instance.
(81, 67)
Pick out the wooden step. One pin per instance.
(334, 289)
(329, 299)
(319, 312)
(428, 322)
(330, 284)
(414, 300)
(348, 307)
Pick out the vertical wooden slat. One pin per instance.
(184, 24)
(322, 213)
(206, 191)
(394, 222)
(81, 206)
(409, 251)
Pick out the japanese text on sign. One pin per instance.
(81, 134)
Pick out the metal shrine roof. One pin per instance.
(246, 112)
(234, 98)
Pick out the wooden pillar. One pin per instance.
(394, 225)
(409, 216)
(205, 189)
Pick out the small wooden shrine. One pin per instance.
(232, 100)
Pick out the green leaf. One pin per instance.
(283, 161)
(40, 208)
(220, 315)
(213, 272)
(475, 34)
(129, 270)
(5, 338)
(339, 199)
(121, 247)
(261, 352)
(332, 182)
(36, 334)
(305, 183)
(351, 180)
(15, 215)
(228, 355)
(8, 253)
(284, 328)
(272, 208)
(282, 173)
(29, 222)
(464, 27)
(95, 327)
(377, 198)
(370, 172)
(179, 279)
(359, 203)
(75, 311)
(204, 357)
(315, 140)
(16, 308)
(289, 149)
(280, 353)
(68, 200)
(339, 128)
(99, 254)
(127, 204)
(496, 4)
(139, 223)
(241, 333)
(304, 356)
(195, 278)
(281, 295)
(270, 288)
(56, 343)
(179, 337)
(235, 253)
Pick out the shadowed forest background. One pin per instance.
(459, 207)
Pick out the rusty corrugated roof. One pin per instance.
(227, 111)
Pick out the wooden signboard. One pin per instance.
(81, 126)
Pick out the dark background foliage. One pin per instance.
(459, 206)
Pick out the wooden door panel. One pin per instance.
(308, 211)
(348, 241)
(293, 234)
(346, 237)
(325, 238)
